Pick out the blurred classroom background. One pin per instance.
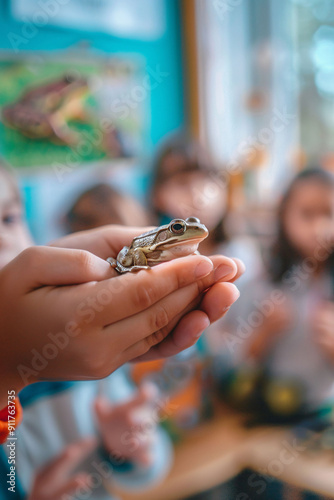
(138, 111)
(253, 80)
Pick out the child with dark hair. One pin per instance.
(187, 182)
(284, 328)
(102, 204)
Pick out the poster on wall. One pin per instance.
(144, 20)
(71, 109)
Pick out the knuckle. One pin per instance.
(144, 297)
(31, 255)
(97, 366)
(181, 279)
(155, 338)
(159, 318)
(85, 259)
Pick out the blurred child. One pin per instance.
(187, 183)
(284, 325)
(53, 455)
(14, 234)
(101, 205)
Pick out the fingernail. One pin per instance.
(236, 293)
(222, 271)
(203, 268)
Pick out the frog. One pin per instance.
(177, 239)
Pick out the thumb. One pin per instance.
(45, 266)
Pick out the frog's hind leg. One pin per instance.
(134, 269)
(115, 264)
(139, 259)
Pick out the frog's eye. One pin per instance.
(178, 227)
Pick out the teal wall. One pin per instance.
(167, 108)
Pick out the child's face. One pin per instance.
(14, 235)
(189, 194)
(309, 216)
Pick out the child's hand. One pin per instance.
(62, 318)
(128, 429)
(57, 478)
(273, 325)
(323, 328)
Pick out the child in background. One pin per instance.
(14, 235)
(187, 183)
(284, 325)
(101, 205)
(77, 436)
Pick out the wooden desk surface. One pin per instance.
(218, 450)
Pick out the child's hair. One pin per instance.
(191, 157)
(284, 255)
(100, 194)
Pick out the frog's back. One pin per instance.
(145, 239)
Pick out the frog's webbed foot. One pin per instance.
(122, 269)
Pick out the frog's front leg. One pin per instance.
(123, 262)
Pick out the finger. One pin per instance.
(105, 242)
(164, 332)
(38, 266)
(154, 323)
(130, 293)
(241, 268)
(149, 326)
(186, 334)
(67, 461)
(218, 300)
(215, 303)
(135, 291)
(225, 269)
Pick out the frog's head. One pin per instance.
(176, 239)
(179, 231)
